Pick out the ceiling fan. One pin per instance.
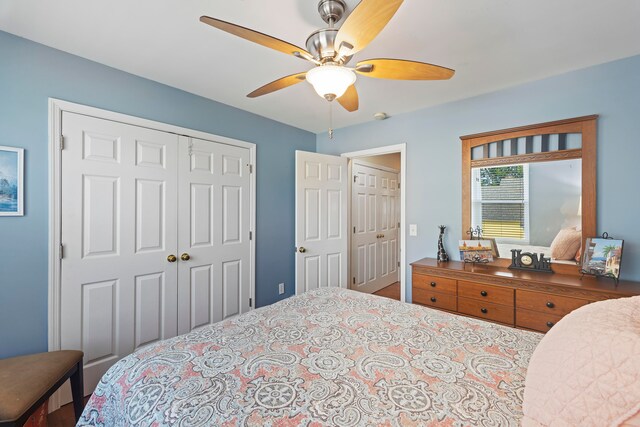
(331, 49)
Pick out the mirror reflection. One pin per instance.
(536, 207)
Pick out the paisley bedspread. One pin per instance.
(328, 357)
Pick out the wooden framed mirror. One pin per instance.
(527, 186)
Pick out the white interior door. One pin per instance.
(119, 224)
(214, 202)
(321, 221)
(374, 216)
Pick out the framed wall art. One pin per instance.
(11, 181)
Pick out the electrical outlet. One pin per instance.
(281, 288)
(413, 229)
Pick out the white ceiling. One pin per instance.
(491, 44)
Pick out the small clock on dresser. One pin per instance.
(529, 261)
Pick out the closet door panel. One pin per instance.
(150, 292)
(150, 215)
(214, 218)
(119, 223)
(202, 295)
(202, 215)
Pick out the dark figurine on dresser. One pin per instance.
(442, 253)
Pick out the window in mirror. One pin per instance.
(500, 202)
(528, 206)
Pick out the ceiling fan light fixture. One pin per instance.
(331, 81)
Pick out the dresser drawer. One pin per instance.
(535, 320)
(433, 283)
(488, 293)
(434, 299)
(547, 303)
(486, 310)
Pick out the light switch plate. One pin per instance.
(281, 288)
(413, 229)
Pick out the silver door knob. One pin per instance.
(302, 250)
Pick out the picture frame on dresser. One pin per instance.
(602, 257)
(495, 252)
(475, 250)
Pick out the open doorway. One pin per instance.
(324, 229)
(376, 259)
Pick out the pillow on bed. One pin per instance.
(566, 244)
(586, 370)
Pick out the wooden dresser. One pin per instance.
(523, 299)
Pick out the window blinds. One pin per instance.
(500, 202)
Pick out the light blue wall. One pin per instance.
(30, 73)
(434, 150)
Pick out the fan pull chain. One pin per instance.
(330, 120)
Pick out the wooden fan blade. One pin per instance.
(278, 84)
(400, 69)
(257, 37)
(350, 100)
(364, 24)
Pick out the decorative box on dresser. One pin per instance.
(523, 299)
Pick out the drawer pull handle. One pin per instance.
(550, 304)
(483, 293)
(433, 299)
(483, 310)
(550, 324)
(433, 284)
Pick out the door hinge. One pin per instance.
(398, 263)
(354, 280)
(250, 168)
(355, 178)
(354, 230)
(61, 251)
(398, 186)
(251, 235)
(61, 142)
(398, 225)
(250, 302)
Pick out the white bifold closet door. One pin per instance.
(374, 216)
(134, 198)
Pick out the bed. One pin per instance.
(328, 357)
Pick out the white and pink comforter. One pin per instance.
(586, 370)
(329, 357)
